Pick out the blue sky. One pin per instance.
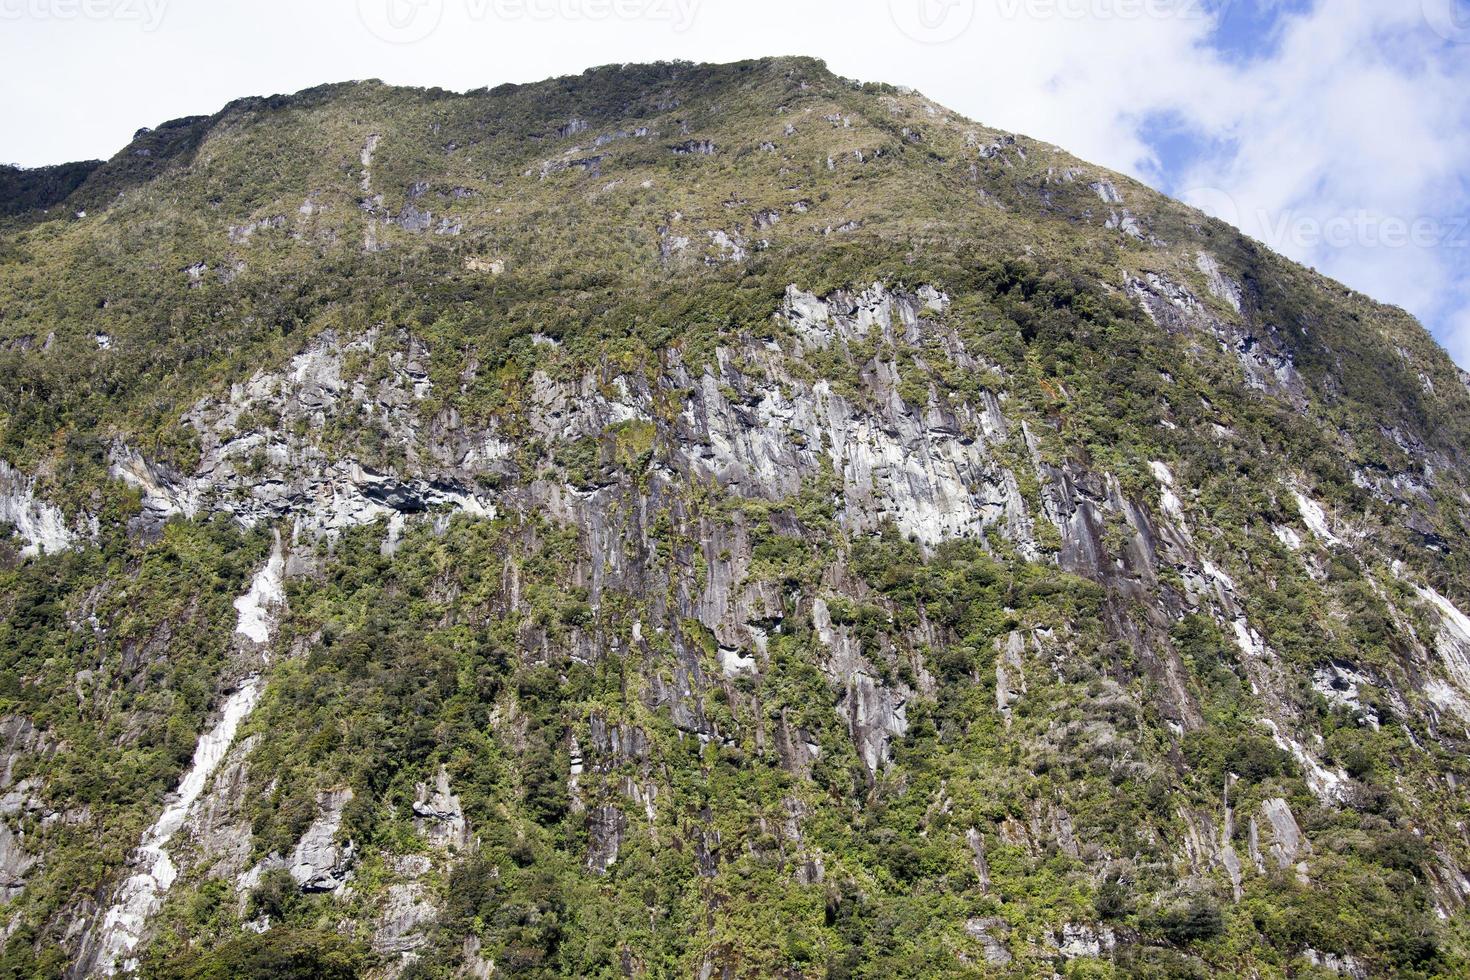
(1379, 196)
(1335, 131)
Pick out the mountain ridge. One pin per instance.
(692, 519)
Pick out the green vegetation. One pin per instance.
(280, 954)
(1068, 740)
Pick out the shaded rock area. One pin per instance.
(438, 814)
(991, 935)
(19, 741)
(40, 524)
(320, 862)
(605, 828)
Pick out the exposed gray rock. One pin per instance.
(1341, 685)
(259, 606)
(1452, 643)
(1079, 940)
(267, 477)
(991, 933)
(42, 525)
(369, 148)
(728, 247)
(15, 863)
(1262, 356)
(19, 737)
(1229, 859)
(240, 234)
(982, 865)
(217, 837)
(605, 828)
(1345, 965)
(1288, 842)
(1123, 220)
(853, 316)
(1221, 287)
(925, 467)
(875, 714)
(476, 967)
(1329, 785)
(1010, 680)
(406, 915)
(123, 926)
(438, 815)
(413, 219)
(320, 863)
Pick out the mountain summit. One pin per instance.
(709, 521)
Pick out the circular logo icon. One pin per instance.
(932, 21)
(1450, 19)
(400, 21)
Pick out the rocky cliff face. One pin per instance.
(711, 521)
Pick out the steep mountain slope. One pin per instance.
(709, 521)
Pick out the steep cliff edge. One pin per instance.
(711, 521)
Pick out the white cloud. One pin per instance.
(1350, 143)
(1342, 141)
(1456, 335)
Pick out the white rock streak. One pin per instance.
(40, 524)
(1327, 784)
(1453, 646)
(1169, 501)
(1315, 518)
(142, 894)
(267, 593)
(733, 663)
(1220, 286)
(1287, 536)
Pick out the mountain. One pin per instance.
(709, 521)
